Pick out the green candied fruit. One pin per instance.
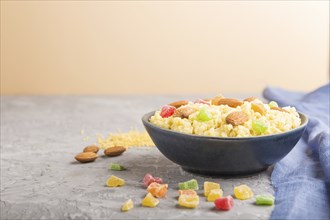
(191, 184)
(183, 186)
(259, 127)
(272, 104)
(265, 200)
(204, 115)
(115, 166)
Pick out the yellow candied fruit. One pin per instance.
(150, 201)
(114, 181)
(127, 205)
(188, 201)
(208, 186)
(243, 192)
(214, 194)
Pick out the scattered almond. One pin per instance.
(279, 109)
(114, 151)
(258, 107)
(250, 99)
(86, 157)
(178, 104)
(237, 118)
(230, 102)
(92, 148)
(183, 112)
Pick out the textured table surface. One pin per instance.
(41, 180)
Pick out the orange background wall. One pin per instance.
(113, 47)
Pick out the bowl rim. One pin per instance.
(145, 119)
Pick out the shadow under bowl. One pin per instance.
(223, 156)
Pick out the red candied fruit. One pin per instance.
(148, 179)
(158, 180)
(167, 111)
(225, 203)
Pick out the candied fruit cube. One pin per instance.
(265, 200)
(214, 194)
(208, 186)
(157, 190)
(167, 111)
(190, 184)
(243, 192)
(157, 180)
(187, 192)
(114, 181)
(127, 205)
(183, 186)
(150, 201)
(225, 203)
(259, 127)
(204, 115)
(188, 201)
(148, 179)
(116, 166)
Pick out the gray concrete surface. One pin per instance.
(40, 179)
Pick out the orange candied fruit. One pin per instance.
(158, 190)
(187, 192)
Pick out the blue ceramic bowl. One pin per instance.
(223, 156)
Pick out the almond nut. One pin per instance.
(258, 107)
(92, 148)
(279, 109)
(216, 99)
(230, 102)
(250, 99)
(237, 118)
(114, 151)
(183, 112)
(86, 157)
(178, 104)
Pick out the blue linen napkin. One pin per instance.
(302, 179)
